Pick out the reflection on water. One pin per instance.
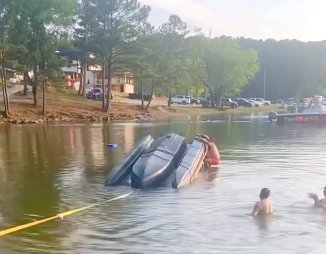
(48, 169)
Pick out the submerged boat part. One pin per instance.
(124, 168)
(190, 164)
(159, 161)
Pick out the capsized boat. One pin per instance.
(159, 161)
(190, 165)
(124, 168)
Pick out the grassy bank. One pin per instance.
(67, 106)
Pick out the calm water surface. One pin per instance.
(47, 170)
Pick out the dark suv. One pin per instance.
(228, 102)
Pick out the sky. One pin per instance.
(259, 19)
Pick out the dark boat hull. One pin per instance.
(159, 161)
(124, 168)
(190, 165)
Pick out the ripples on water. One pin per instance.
(47, 170)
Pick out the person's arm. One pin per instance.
(315, 198)
(205, 141)
(256, 209)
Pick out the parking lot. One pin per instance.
(153, 102)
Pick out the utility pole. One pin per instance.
(205, 88)
(264, 83)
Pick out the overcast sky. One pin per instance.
(260, 19)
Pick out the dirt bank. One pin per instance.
(66, 106)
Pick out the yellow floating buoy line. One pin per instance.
(58, 216)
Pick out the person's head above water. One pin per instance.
(264, 193)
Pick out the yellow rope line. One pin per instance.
(60, 216)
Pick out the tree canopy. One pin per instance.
(292, 68)
(166, 60)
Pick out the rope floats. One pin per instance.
(58, 216)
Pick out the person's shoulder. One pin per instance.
(258, 204)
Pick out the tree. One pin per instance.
(234, 67)
(4, 23)
(44, 22)
(292, 68)
(222, 66)
(144, 63)
(172, 38)
(119, 22)
(86, 23)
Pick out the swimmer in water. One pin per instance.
(212, 156)
(318, 202)
(264, 206)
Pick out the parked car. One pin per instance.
(197, 100)
(137, 96)
(96, 94)
(181, 99)
(228, 102)
(262, 101)
(280, 102)
(256, 103)
(207, 103)
(244, 102)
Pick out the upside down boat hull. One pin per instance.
(190, 165)
(159, 161)
(124, 168)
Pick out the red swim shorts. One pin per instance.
(213, 161)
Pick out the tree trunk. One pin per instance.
(212, 103)
(5, 102)
(210, 98)
(108, 99)
(81, 80)
(84, 80)
(4, 85)
(25, 83)
(35, 85)
(149, 101)
(151, 96)
(103, 84)
(35, 97)
(142, 91)
(170, 95)
(44, 96)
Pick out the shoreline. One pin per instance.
(140, 116)
(67, 107)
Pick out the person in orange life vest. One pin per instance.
(212, 156)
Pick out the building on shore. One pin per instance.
(121, 82)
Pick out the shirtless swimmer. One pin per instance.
(264, 206)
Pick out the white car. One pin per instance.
(181, 99)
(262, 101)
(255, 103)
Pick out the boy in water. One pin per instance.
(264, 206)
(212, 156)
(318, 202)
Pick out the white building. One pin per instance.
(122, 82)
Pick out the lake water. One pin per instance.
(47, 170)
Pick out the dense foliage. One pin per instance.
(167, 60)
(292, 68)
